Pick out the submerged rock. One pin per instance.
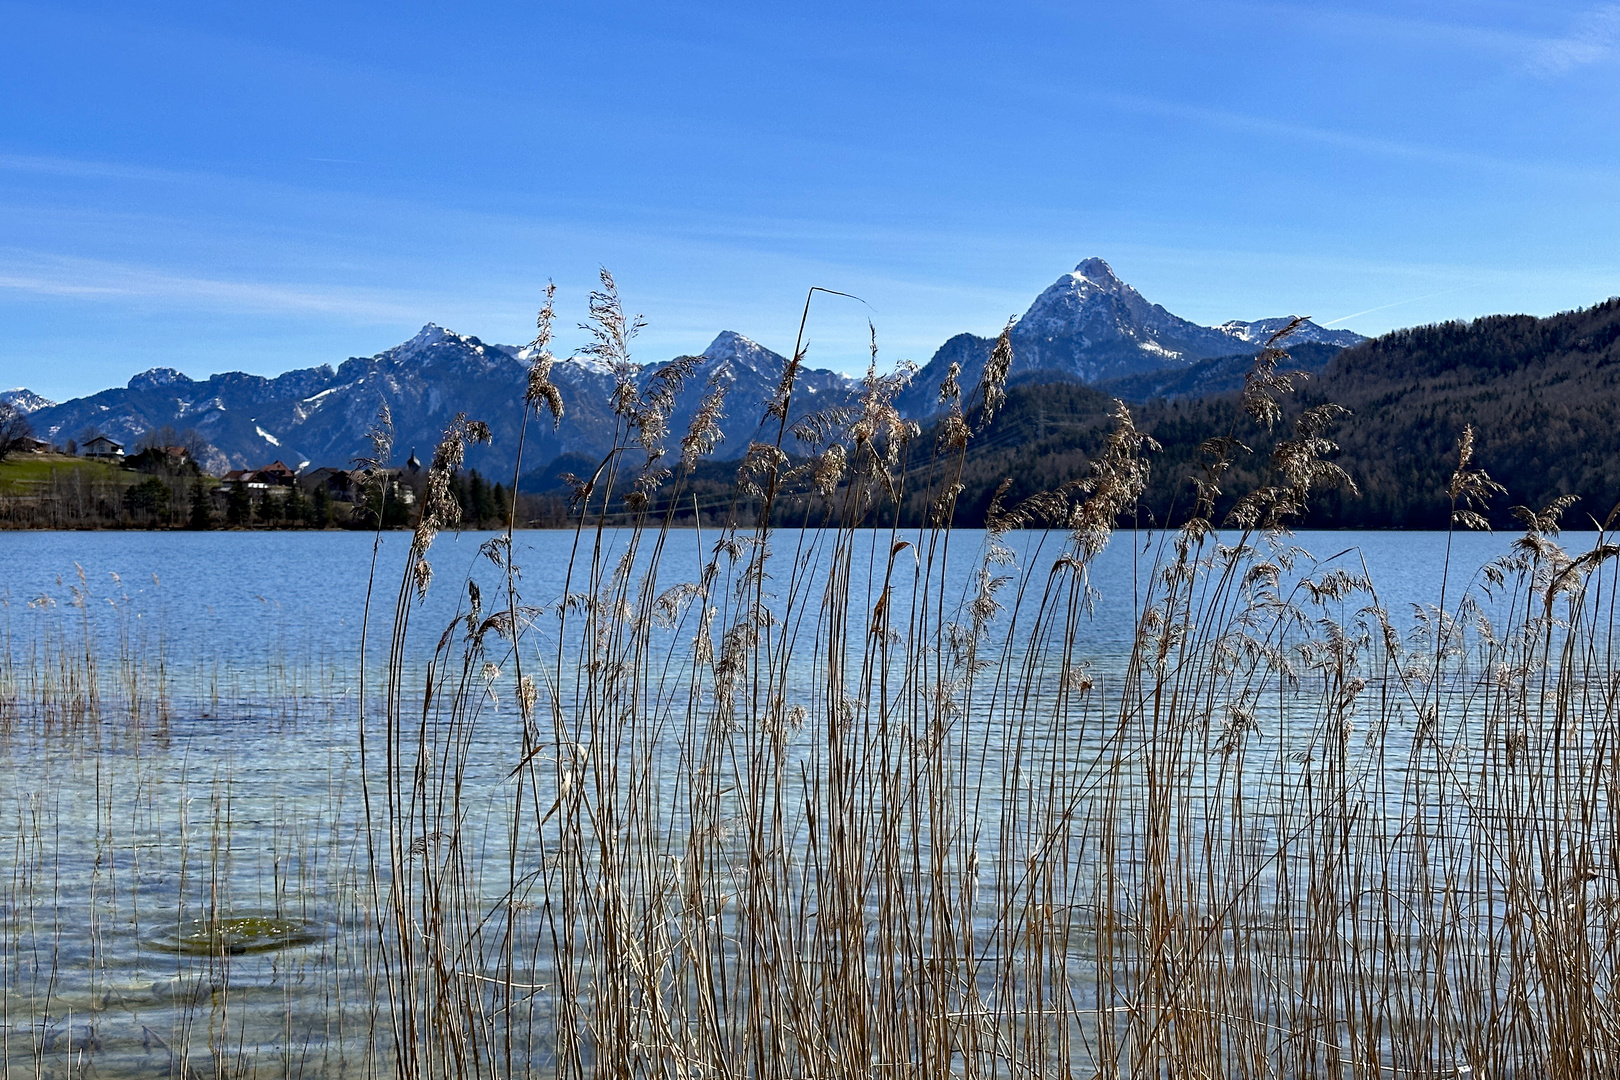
(242, 934)
(68, 1038)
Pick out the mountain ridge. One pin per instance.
(319, 415)
(1086, 327)
(25, 400)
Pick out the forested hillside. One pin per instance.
(1543, 396)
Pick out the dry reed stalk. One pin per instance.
(820, 816)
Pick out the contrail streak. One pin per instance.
(1398, 303)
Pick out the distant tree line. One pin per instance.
(153, 493)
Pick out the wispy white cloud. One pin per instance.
(93, 279)
(1282, 130)
(1594, 39)
(82, 169)
(1592, 35)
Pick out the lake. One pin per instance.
(238, 599)
(199, 882)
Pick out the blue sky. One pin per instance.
(266, 186)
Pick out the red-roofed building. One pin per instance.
(277, 474)
(273, 478)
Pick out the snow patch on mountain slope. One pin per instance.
(1259, 332)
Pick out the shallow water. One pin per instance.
(186, 886)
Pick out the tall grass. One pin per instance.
(811, 809)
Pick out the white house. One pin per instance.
(103, 448)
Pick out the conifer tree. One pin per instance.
(239, 507)
(202, 515)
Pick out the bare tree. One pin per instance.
(14, 429)
(162, 438)
(159, 438)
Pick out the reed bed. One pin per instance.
(161, 815)
(842, 800)
(807, 810)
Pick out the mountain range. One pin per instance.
(1087, 327)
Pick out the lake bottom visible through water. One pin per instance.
(191, 886)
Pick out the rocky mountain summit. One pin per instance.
(1093, 326)
(1089, 326)
(1260, 331)
(24, 400)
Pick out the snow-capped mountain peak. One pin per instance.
(431, 341)
(1090, 326)
(431, 334)
(730, 350)
(25, 401)
(1098, 273)
(1259, 332)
